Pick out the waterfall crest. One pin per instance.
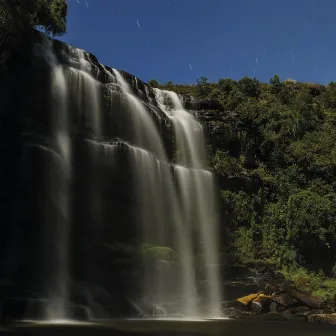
(127, 181)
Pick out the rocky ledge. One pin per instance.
(281, 301)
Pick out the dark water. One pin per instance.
(171, 328)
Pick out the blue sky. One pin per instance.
(160, 39)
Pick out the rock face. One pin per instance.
(322, 318)
(28, 247)
(71, 150)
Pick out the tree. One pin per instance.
(153, 83)
(203, 89)
(234, 98)
(249, 87)
(169, 85)
(202, 81)
(311, 224)
(226, 85)
(316, 152)
(225, 165)
(18, 16)
(52, 16)
(276, 85)
(275, 80)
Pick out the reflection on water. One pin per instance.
(161, 326)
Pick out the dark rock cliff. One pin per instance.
(103, 258)
(102, 254)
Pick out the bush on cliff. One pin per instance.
(17, 16)
(283, 135)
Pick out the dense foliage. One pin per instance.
(281, 135)
(16, 16)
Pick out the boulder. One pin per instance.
(271, 316)
(247, 300)
(285, 303)
(258, 303)
(232, 313)
(285, 300)
(159, 311)
(288, 313)
(305, 298)
(322, 318)
(268, 277)
(261, 304)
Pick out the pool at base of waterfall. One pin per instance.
(162, 326)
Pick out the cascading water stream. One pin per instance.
(197, 186)
(174, 205)
(66, 83)
(59, 185)
(87, 91)
(161, 209)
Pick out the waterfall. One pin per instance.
(110, 179)
(75, 83)
(160, 209)
(197, 187)
(87, 91)
(57, 232)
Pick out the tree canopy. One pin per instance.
(281, 136)
(18, 15)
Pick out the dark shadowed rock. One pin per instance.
(301, 313)
(239, 314)
(236, 272)
(192, 104)
(285, 300)
(306, 298)
(261, 304)
(269, 277)
(322, 318)
(235, 289)
(271, 316)
(80, 313)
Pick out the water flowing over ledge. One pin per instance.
(131, 170)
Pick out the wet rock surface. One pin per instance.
(322, 318)
(278, 299)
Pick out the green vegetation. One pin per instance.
(19, 16)
(224, 164)
(156, 253)
(315, 283)
(153, 83)
(282, 137)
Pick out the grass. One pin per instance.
(315, 283)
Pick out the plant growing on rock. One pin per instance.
(157, 253)
(153, 83)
